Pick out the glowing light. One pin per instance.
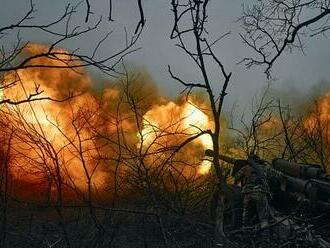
(196, 120)
(205, 167)
(321, 115)
(1, 94)
(48, 125)
(172, 118)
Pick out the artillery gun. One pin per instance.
(308, 180)
(300, 195)
(304, 182)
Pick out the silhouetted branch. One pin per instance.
(273, 27)
(142, 21)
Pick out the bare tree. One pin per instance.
(273, 27)
(4, 185)
(275, 131)
(316, 136)
(14, 55)
(189, 29)
(261, 132)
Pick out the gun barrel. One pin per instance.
(305, 171)
(227, 159)
(308, 180)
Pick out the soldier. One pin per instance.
(254, 189)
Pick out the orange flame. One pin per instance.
(321, 113)
(45, 126)
(166, 123)
(51, 136)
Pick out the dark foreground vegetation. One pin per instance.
(37, 225)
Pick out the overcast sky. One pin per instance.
(292, 70)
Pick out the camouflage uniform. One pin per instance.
(255, 191)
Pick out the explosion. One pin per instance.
(169, 123)
(70, 147)
(320, 115)
(52, 142)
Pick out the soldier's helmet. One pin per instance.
(256, 158)
(238, 165)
